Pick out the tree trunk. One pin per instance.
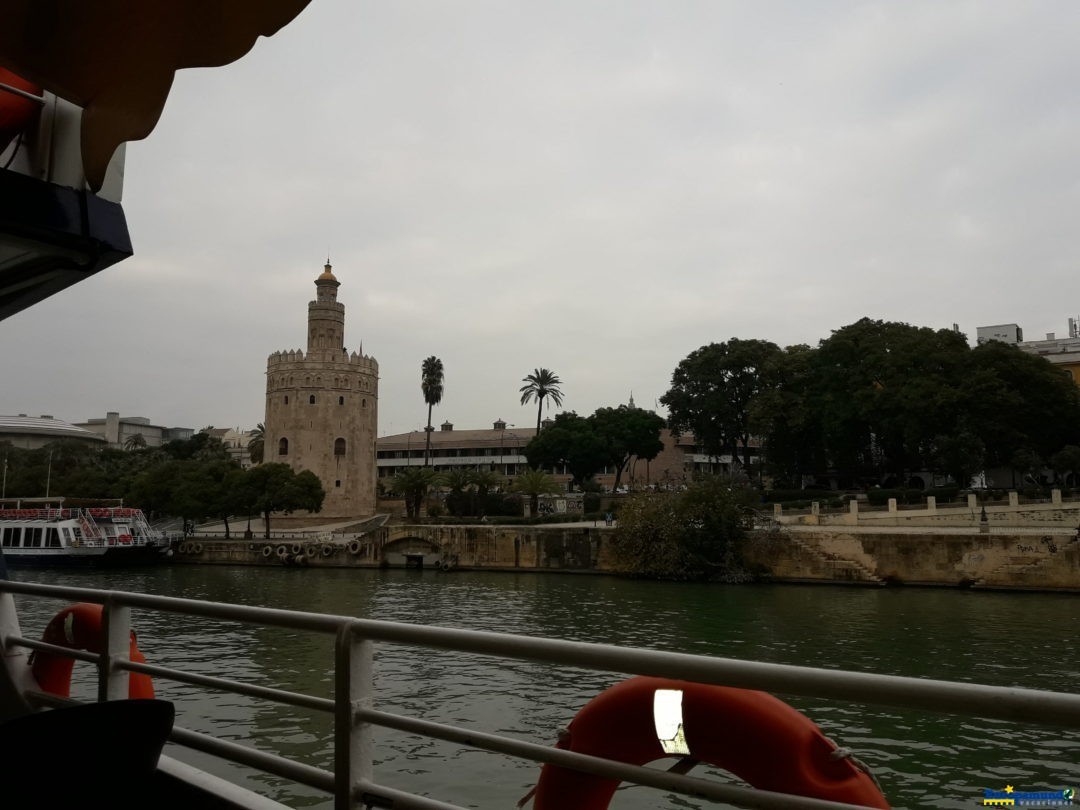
(266, 520)
(226, 527)
(539, 413)
(427, 438)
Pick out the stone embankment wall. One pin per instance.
(1040, 560)
(1048, 560)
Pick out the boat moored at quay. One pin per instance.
(44, 532)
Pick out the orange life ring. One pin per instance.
(755, 736)
(16, 112)
(79, 627)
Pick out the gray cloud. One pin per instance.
(597, 188)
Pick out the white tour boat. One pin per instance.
(44, 532)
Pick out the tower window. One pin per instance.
(341, 400)
(283, 447)
(286, 399)
(311, 400)
(337, 483)
(339, 447)
(363, 403)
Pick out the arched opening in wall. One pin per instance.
(286, 399)
(337, 483)
(339, 447)
(311, 400)
(363, 403)
(341, 400)
(283, 447)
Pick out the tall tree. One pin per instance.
(540, 385)
(277, 488)
(431, 384)
(712, 390)
(413, 483)
(572, 441)
(627, 433)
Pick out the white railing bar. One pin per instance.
(7, 88)
(31, 644)
(370, 794)
(1005, 703)
(243, 755)
(623, 772)
(236, 687)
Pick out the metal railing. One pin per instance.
(352, 781)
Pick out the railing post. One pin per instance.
(116, 623)
(353, 686)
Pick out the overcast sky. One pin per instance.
(598, 188)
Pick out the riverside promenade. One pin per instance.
(1032, 546)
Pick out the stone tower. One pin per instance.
(322, 407)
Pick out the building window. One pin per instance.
(341, 400)
(286, 399)
(311, 400)
(363, 403)
(339, 447)
(283, 447)
(337, 483)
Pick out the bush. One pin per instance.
(692, 534)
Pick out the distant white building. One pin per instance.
(1005, 333)
(32, 432)
(118, 430)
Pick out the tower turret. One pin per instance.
(326, 317)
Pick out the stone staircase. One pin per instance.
(836, 567)
(1027, 573)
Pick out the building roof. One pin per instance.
(46, 426)
(511, 437)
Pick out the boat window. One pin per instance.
(33, 536)
(53, 539)
(10, 538)
(339, 447)
(283, 447)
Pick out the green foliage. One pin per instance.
(540, 385)
(713, 389)
(687, 535)
(569, 440)
(413, 484)
(533, 483)
(276, 487)
(256, 443)
(431, 385)
(627, 433)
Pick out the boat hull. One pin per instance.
(91, 558)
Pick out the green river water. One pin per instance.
(922, 760)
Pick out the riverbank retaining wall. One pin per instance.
(1048, 560)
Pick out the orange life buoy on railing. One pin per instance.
(80, 627)
(16, 112)
(755, 736)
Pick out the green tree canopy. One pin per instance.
(712, 391)
(570, 440)
(627, 433)
(277, 488)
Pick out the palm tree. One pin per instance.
(136, 441)
(255, 443)
(534, 483)
(431, 383)
(413, 484)
(541, 383)
(484, 481)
